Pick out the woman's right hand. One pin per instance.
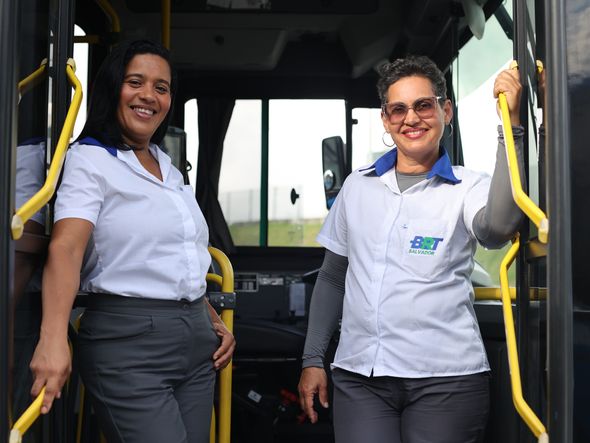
(508, 83)
(313, 381)
(51, 366)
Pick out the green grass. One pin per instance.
(280, 233)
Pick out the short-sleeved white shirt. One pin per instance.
(150, 237)
(408, 304)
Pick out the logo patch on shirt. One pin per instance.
(424, 245)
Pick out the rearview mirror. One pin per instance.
(174, 144)
(334, 166)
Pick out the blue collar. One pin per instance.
(32, 141)
(442, 167)
(94, 142)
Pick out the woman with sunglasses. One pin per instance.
(411, 364)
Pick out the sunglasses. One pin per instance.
(423, 107)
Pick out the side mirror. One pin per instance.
(174, 144)
(334, 166)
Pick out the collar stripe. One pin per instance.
(441, 168)
(94, 142)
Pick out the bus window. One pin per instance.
(473, 79)
(81, 58)
(368, 137)
(239, 181)
(296, 201)
(191, 127)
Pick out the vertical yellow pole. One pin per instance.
(225, 377)
(166, 6)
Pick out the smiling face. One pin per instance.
(417, 138)
(144, 100)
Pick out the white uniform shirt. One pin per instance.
(150, 237)
(408, 304)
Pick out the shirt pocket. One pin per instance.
(425, 250)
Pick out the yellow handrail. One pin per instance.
(213, 427)
(227, 315)
(27, 419)
(523, 201)
(493, 293)
(108, 9)
(166, 7)
(90, 39)
(520, 404)
(26, 211)
(32, 79)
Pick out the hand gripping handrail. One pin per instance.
(520, 404)
(26, 211)
(32, 79)
(226, 281)
(27, 419)
(523, 201)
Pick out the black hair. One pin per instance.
(101, 122)
(420, 66)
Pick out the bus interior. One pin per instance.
(276, 105)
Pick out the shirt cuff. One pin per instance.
(517, 132)
(312, 362)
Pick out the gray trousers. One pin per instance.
(147, 365)
(410, 410)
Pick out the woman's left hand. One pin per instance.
(222, 356)
(508, 82)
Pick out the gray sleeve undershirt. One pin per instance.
(499, 219)
(325, 309)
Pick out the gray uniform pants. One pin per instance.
(410, 410)
(148, 367)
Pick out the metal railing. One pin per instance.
(523, 201)
(226, 281)
(523, 409)
(27, 419)
(27, 83)
(539, 218)
(26, 211)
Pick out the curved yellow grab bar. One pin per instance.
(213, 427)
(227, 315)
(108, 9)
(520, 404)
(523, 201)
(492, 293)
(27, 419)
(90, 39)
(26, 211)
(166, 7)
(32, 79)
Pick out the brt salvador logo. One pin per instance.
(424, 245)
